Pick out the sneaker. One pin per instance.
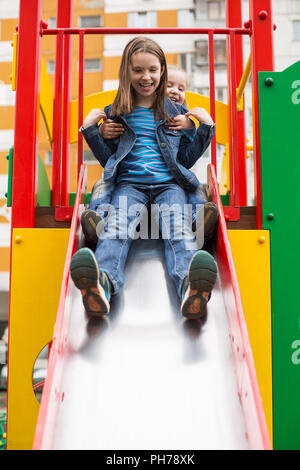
(198, 284)
(93, 283)
(211, 217)
(90, 220)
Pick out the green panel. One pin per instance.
(44, 190)
(225, 199)
(72, 198)
(10, 170)
(279, 116)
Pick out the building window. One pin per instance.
(142, 19)
(219, 53)
(93, 21)
(201, 53)
(88, 157)
(203, 91)
(221, 94)
(48, 157)
(187, 61)
(186, 18)
(51, 67)
(52, 22)
(215, 10)
(296, 30)
(92, 65)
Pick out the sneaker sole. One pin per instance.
(85, 275)
(202, 277)
(207, 221)
(89, 223)
(211, 217)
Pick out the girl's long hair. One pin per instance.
(124, 101)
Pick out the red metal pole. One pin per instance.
(57, 121)
(212, 94)
(24, 180)
(65, 20)
(54, 31)
(234, 20)
(234, 125)
(80, 100)
(261, 24)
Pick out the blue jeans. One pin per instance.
(102, 193)
(131, 203)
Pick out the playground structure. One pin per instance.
(257, 287)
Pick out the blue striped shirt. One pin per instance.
(144, 163)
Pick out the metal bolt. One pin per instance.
(18, 239)
(261, 240)
(270, 216)
(263, 14)
(269, 82)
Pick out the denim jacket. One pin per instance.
(177, 150)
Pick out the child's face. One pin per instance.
(176, 86)
(145, 72)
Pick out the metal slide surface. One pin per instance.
(147, 379)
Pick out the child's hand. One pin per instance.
(201, 115)
(94, 116)
(180, 122)
(110, 129)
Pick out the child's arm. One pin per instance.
(110, 129)
(201, 115)
(90, 131)
(182, 121)
(190, 152)
(94, 116)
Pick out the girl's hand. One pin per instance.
(94, 116)
(180, 122)
(201, 115)
(110, 129)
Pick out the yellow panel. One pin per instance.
(46, 99)
(14, 63)
(97, 100)
(251, 254)
(102, 99)
(222, 127)
(224, 185)
(38, 257)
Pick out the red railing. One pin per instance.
(248, 388)
(31, 28)
(52, 392)
(59, 176)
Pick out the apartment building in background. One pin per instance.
(102, 59)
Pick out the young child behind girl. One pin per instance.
(204, 220)
(148, 164)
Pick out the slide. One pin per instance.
(145, 378)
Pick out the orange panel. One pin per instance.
(167, 18)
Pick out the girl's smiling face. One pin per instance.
(176, 86)
(145, 72)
